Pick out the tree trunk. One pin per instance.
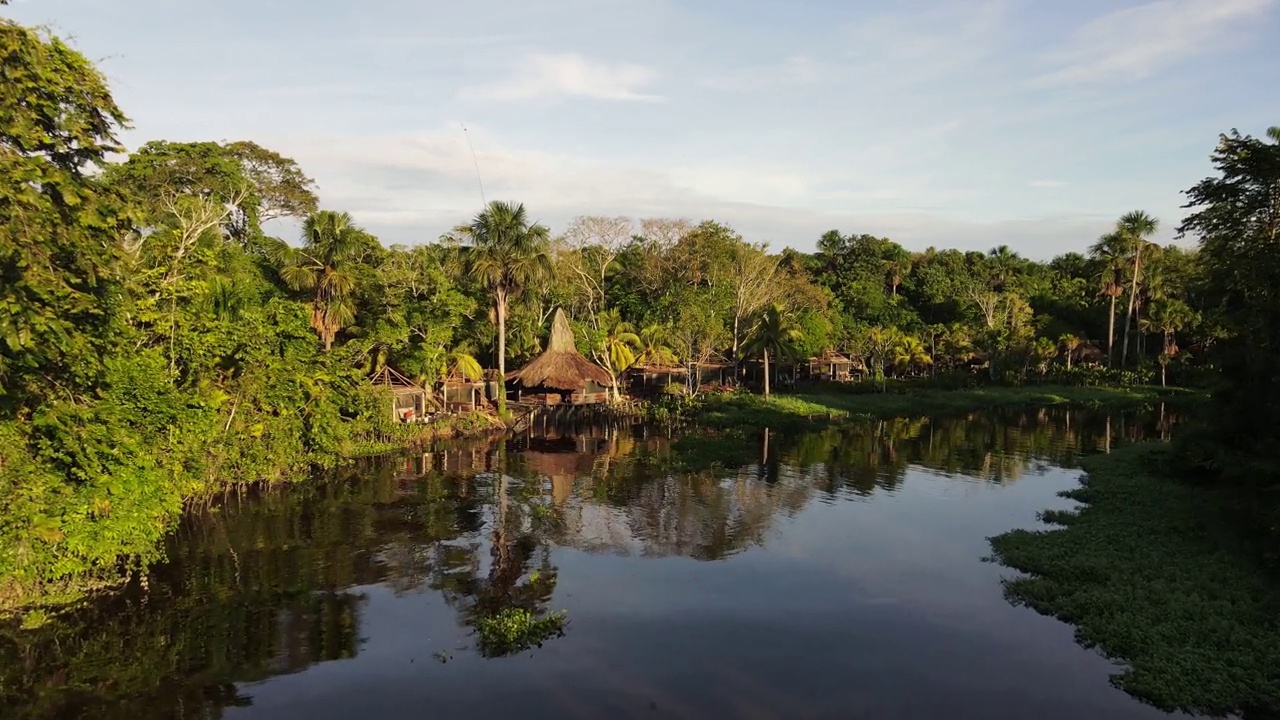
(736, 329)
(501, 309)
(1111, 333)
(1069, 352)
(766, 372)
(1133, 301)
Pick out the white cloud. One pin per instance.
(541, 75)
(1046, 184)
(1134, 43)
(411, 188)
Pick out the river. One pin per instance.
(839, 573)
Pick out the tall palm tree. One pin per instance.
(895, 270)
(1134, 227)
(1069, 342)
(1109, 253)
(332, 245)
(1167, 317)
(1003, 263)
(772, 332)
(507, 254)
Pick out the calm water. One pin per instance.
(837, 574)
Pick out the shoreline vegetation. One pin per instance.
(816, 406)
(1160, 575)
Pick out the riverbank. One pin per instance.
(1155, 574)
(743, 411)
(58, 547)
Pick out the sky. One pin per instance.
(968, 124)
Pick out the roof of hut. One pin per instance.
(394, 380)
(715, 359)
(830, 356)
(561, 366)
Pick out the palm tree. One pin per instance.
(772, 332)
(1134, 227)
(1043, 351)
(1167, 317)
(895, 270)
(618, 346)
(934, 332)
(1003, 264)
(1108, 251)
(1070, 342)
(655, 346)
(909, 353)
(880, 345)
(332, 244)
(507, 254)
(464, 364)
(957, 344)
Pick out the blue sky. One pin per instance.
(1032, 123)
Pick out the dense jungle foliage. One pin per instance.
(156, 343)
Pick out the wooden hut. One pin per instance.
(410, 402)
(461, 393)
(654, 377)
(833, 366)
(714, 369)
(1090, 354)
(561, 374)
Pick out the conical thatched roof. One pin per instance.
(561, 366)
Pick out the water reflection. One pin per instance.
(274, 583)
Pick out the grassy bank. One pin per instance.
(807, 407)
(1153, 573)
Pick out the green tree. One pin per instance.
(909, 354)
(1041, 352)
(618, 346)
(1069, 343)
(1236, 215)
(507, 254)
(1167, 317)
(772, 332)
(57, 222)
(1109, 254)
(465, 365)
(881, 346)
(655, 346)
(332, 246)
(1134, 228)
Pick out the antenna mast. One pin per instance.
(475, 162)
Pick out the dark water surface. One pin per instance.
(836, 574)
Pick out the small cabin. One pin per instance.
(832, 366)
(410, 402)
(714, 370)
(460, 393)
(653, 378)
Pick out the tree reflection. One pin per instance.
(275, 581)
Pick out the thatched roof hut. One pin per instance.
(561, 367)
